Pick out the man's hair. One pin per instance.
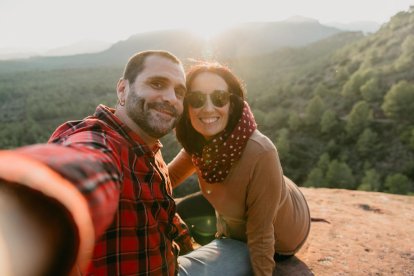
(190, 139)
(135, 64)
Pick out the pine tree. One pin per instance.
(406, 59)
(399, 101)
(367, 141)
(412, 139)
(315, 179)
(329, 121)
(358, 119)
(294, 121)
(339, 175)
(351, 89)
(398, 184)
(314, 111)
(371, 91)
(370, 181)
(282, 143)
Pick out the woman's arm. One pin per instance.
(180, 168)
(263, 200)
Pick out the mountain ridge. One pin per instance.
(253, 37)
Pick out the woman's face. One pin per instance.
(211, 113)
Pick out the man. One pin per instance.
(97, 197)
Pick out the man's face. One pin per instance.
(154, 102)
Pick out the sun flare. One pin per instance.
(209, 29)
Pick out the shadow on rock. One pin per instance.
(292, 266)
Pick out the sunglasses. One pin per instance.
(197, 99)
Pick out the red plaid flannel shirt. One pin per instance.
(128, 191)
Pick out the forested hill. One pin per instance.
(341, 116)
(339, 110)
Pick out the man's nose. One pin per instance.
(170, 95)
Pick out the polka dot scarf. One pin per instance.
(219, 155)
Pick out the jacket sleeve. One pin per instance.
(263, 199)
(82, 176)
(180, 168)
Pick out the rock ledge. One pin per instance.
(365, 233)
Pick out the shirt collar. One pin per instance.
(107, 115)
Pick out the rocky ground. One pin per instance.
(360, 233)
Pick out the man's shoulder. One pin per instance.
(89, 124)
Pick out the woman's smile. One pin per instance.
(209, 120)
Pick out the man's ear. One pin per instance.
(121, 90)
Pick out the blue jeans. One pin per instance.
(220, 257)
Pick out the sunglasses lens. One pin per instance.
(220, 98)
(196, 99)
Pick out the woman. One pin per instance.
(238, 169)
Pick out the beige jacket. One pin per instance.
(255, 203)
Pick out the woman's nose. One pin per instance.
(208, 105)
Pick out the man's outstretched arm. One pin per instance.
(78, 185)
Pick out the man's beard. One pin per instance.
(145, 118)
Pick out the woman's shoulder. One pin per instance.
(259, 143)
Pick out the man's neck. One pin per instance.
(148, 140)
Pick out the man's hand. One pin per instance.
(5, 264)
(33, 232)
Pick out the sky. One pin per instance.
(47, 24)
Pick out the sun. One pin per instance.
(208, 30)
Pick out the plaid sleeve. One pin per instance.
(183, 239)
(72, 177)
(90, 167)
(82, 173)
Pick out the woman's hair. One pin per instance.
(190, 139)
